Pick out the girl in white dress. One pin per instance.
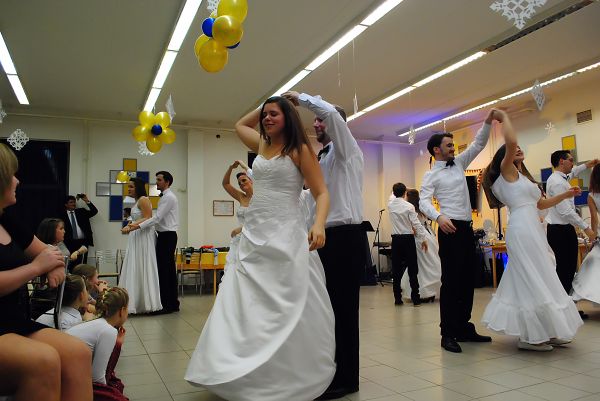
(270, 334)
(530, 301)
(139, 273)
(586, 284)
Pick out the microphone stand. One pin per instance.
(377, 243)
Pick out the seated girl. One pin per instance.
(75, 297)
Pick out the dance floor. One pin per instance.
(401, 358)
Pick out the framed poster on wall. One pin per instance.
(222, 208)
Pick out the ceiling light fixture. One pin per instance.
(11, 72)
(348, 37)
(500, 99)
(186, 17)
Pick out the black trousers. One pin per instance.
(563, 241)
(404, 255)
(343, 259)
(167, 272)
(457, 254)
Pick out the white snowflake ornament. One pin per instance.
(518, 10)
(18, 139)
(411, 135)
(2, 112)
(550, 127)
(170, 108)
(212, 5)
(538, 95)
(143, 149)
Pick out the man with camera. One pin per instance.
(78, 230)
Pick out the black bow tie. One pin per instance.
(161, 194)
(323, 152)
(450, 163)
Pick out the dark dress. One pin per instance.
(14, 307)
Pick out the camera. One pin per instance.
(80, 196)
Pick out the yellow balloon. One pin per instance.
(146, 118)
(153, 144)
(122, 176)
(163, 119)
(140, 133)
(235, 8)
(227, 30)
(168, 136)
(202, 39)
(213, 56)
(214, 14)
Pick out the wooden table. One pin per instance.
(501, 248)
(214, 268)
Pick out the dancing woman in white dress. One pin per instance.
(430, 266)
(139, 273)
(270, 334)
(586, 284)
(530, 301)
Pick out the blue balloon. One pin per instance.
(234, 46)
(207, 26)
(157, 129)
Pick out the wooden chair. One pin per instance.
(187, 262)
(110, 257)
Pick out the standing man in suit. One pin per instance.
(343, 255)
(562, 218)
(78, 230)
(166, 223)
(447, 183)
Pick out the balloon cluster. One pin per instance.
(154, 130)
(123, 176)
(222, 31)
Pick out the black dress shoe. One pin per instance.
(337, 392)
(474, 338)
(398, 302)
(428, 300)
(416, 302)
(450, 344)
(583, 315)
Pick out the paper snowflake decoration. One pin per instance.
(143, 149)
(18, 139)
(212, 5)
(517, 10)
(538, 95)
(411, 135)
(550, 128)
(170, 108)
(2, 112)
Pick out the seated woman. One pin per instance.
(64, 368)
(75, 298)
(105, 337)
(51, 231)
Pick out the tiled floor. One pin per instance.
(400, 357)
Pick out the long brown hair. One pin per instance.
(293, 130)
(491, 174)
(8, 167)
(595, 179)
(111, 301)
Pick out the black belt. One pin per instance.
(345, 227)
(402, 235)
(463, 223)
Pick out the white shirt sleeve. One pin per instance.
(107, 339)
(417, 226)
(565, 210)
(427, 191)
(337, 129)
(165, 204)
(576, 171)
(481, 139)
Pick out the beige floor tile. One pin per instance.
(369, 391)
(181, 386)
(441, 376)
(379, 372)
(554, 392)
(511, 396)
(512, 380)
(544, 372)
(403, 384)
(143, 391)
(475, 388)
(436, 394)
(581, 382)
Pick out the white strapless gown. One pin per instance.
(530, 301)
(139, 273)
(270, 335)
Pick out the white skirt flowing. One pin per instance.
(586, 284)
(430, 270)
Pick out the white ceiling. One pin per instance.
(97, 59)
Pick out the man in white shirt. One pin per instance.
(405, 225)
(562, 218)
(447, 183)
(166, 222)
(343, 255)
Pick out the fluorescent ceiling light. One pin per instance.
(154, 92)
(290, 84)
(5, 58)
(380, 11)
(15, 82)
(163, 70)
(343, 41)
(355, 115)
(388, 99)
(514, 94)
(449, 69)
(183, 23)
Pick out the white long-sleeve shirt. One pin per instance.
(404, 219)
(448, 184)
(564, 212)
(342, 166)
(166, 217)
(68, 318)
(101, 337)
